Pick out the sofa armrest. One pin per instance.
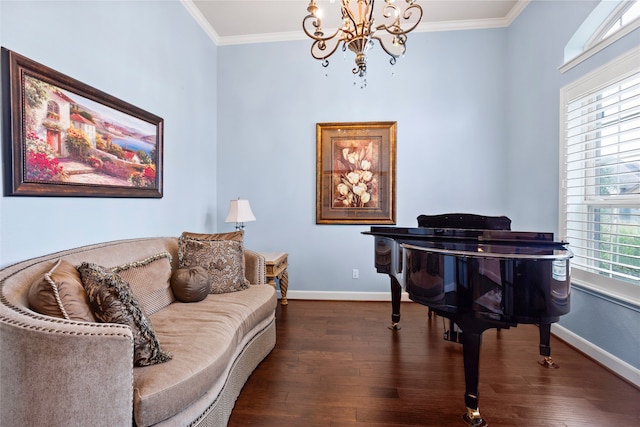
(61, 373)
(255, 269)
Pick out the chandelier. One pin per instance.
(358, 31)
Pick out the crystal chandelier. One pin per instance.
(358, 31)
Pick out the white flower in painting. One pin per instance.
(365, 164)
(353, 158)
(365, 197)
(343, 189)
(366, 176)
(360, 189)
(353, 177)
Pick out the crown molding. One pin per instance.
(425, 27)
(201, 20)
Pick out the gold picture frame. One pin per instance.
(356, 173)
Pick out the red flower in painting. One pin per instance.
(149, 173)
(42, 168)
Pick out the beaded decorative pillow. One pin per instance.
(113, 301)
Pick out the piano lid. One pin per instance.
(478, 235)
(476, 242)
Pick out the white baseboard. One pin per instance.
(620, 367)
(343, 296)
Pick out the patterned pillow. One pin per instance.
(59, 293)
(149, 279)
(190, 284)
(113, 302)
(222, 258)
(236, 236)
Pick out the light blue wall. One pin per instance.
(536, 44)
(151, 54)
(478, 131)
(448, 98)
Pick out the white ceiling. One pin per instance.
(254, 21)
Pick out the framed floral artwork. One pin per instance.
(356, 173)
(62, 137)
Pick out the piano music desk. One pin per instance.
(276, 264)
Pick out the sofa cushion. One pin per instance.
(59, 293)
(190, 284)
(113, 302)
(149, 279)
(204, 343)
(220, 254)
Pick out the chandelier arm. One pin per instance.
(318, 34)
(369, 18)
(319, 46)
(347, 14)
(392, 55)
(395, 27)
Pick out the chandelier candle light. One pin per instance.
(358, 31)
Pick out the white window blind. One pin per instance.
(601, 173)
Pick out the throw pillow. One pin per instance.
(149, 279)
(112, 301)
(190, 284)
(59, 293)
(223, 258)
(235, 236)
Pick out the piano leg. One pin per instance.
(545, 347)
(471, 342)
(396, 295)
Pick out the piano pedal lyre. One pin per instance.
(548, 362)
(473, 418)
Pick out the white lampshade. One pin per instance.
(240, 212)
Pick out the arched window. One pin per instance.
(609, 21)
(623, 15)
(53, 110)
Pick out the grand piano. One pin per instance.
(476, 272)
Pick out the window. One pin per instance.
(600, 161)
(608, 22)
(629, 12)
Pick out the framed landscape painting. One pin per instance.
(62, 137)
(356, 173)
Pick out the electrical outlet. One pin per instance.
(355, 274)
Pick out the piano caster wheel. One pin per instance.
(473, 418)
(394, 327)
(548, 362)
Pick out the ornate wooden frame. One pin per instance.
(64, 138)
(356, 173)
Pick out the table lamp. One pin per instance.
(240, 212)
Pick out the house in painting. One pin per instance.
(131, 157)
(56, 120)
(85, 125)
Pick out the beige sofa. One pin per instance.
(58, 372)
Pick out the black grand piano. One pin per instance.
(476, 272)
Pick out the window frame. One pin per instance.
(604, 76)
(581, 48)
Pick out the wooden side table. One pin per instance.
(276, 264)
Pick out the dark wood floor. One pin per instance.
(337, 365)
